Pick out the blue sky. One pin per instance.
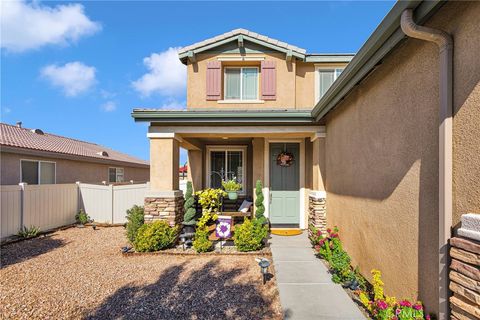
(81, 67)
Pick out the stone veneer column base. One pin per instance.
(167, 207)
(317, 211)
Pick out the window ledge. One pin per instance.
(241, 101)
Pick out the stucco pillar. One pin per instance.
(195, 165)
(164, 200)
(317, 211)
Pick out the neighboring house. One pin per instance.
(371, 146)
(36, 157)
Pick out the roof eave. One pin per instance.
(387, 36)
(223, 117)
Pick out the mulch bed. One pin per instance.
(80, 273)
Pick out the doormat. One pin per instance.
(286, 232)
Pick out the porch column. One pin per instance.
(195, 169)
(164, 201)
(317, 210)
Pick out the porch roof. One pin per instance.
(237, 117)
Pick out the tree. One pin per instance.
(259, 207)
(190, 212)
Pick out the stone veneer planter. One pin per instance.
(465, 270)
(317, 211)
(167, 207)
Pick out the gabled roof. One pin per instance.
(35, 139)
(240, 35)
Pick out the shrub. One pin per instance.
(210, 199)
(259, 207)
(81, 217)
(28, 232)
(135, 219)
(201, 243)
(384, 307)
(249, 235)
(155, 236)
(231, 185)
(190, 212)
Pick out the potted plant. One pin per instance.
(232, 187)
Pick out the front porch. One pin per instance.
(294, 193)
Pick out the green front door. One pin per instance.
(285, 186)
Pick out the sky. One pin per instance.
(77, 69)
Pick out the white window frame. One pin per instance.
(116, 174)
(335, 69)
(241, 84)
(39, 169)
(227, 148)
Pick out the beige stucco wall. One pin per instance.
(67, 171)
(382, 158)
(295, 82)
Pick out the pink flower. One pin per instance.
(397, 311)
(417, 306)
(427, 317)
(405, 303)
(319, 233)
(382, 304)
(329, 230)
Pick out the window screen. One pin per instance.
(29, 172)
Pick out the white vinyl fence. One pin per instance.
(55, 205)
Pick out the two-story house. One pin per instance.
(391, 147)
(249, 99)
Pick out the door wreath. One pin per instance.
(285, 159)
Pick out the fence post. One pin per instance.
(22, 203)
(78, 195)
(112, 201)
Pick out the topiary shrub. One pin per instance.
(135, 219)
(249, 235)
(155, 236)
(190, 212)
(201, 242)
(259, 207)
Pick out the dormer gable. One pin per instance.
(241, 41)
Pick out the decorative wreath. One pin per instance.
(285, 159)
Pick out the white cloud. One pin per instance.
(107, 94)
(167, 75)
(73, 77)
(109, 106)
(31, 25)
(6, 110)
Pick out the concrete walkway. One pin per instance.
(306, 288)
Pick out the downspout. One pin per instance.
(445, 44)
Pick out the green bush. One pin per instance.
(259, 207)
(155, 236)
(81, 217)
(201, 242)
(28, 232)
(190, 212)
(135, 219)
(249, 235)
(231, 185)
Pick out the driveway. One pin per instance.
(81, 274)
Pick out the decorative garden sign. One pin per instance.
(285, 159)
(224, 227)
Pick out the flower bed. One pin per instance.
(371, 295)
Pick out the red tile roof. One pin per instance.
(14, 136)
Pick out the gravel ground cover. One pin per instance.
(81, 274)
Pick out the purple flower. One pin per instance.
(382, 304)
(405, 303)
(417, 306)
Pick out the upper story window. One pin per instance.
(324, 79)
(38, 172)
(241, 83)
(115, 175)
